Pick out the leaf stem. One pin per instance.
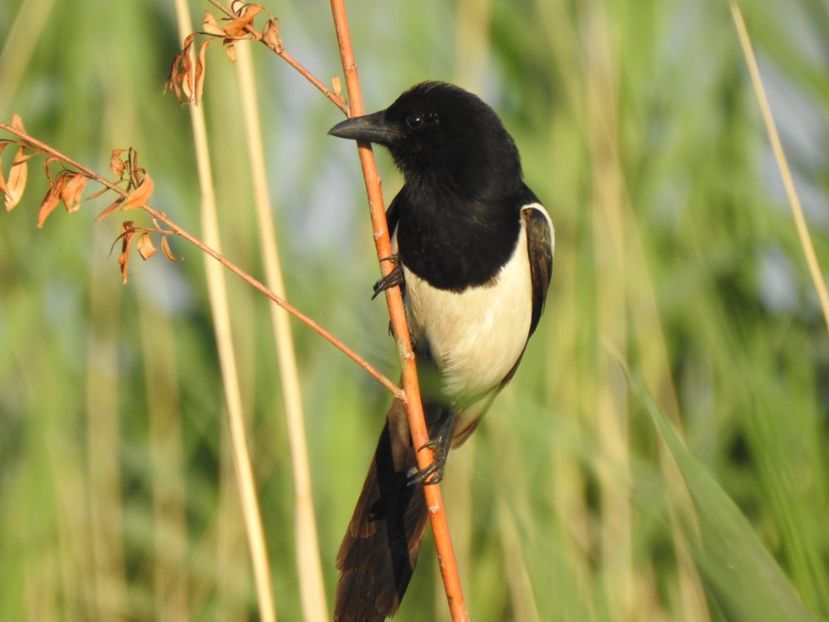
(242, 274)
(336, 99)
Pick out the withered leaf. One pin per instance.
(338, 86)
(73, 191)
(17, 177)
(47, 168)
(109, 209)
(186, 77)
(116, 164)
(146, 248)
(200, 69)
(17, 123)
(51, 200)
(211, 26)
(165, 248)
(127, 234)
(141, 194)
(3, 188)
(183, 70)
(231, 51)
(174, 78)
(237, 27)
(271, 35)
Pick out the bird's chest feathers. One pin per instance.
(476, 335)
(453, 244)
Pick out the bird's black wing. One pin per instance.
(540, 249)
(393, 214)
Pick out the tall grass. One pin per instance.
(661, 454)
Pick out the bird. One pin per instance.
(474, 259)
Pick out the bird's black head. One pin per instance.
(440, 133)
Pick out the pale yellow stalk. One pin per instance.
(217, 290)
(611, 424)
(782, 163)
(312, 588)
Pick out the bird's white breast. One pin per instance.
(475, 336)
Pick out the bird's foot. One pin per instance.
(392, 279)
(432, 474)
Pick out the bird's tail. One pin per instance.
(379, 551)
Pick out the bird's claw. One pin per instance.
(432, 474)
(392, 279)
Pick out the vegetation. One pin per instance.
(662, 453)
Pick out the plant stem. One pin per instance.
(309, 567)
(336, 99)
(782, 163)
(242, 274)
(220, 311)
(397, 314)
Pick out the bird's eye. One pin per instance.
(414, 121)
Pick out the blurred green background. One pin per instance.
(680, 301)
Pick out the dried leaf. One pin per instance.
(3, 187)
(165, 248)
(140, 195)
(238, 26)
(52, 198)
(17, 123)
(146, 248)
(186, 77)
(200, 69)
(174, 78)
(47, 167)
(231, 51)
(127, 234)
(211, 26)
(338, 86)
(181, 78)
(111, 208)
(73, 191)
(271, 35)
(17, 176)
(116, 164)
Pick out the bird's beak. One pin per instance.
(371, 128)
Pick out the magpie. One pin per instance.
(474, 258)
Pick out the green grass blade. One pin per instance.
(737, 568)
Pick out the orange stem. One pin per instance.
(336, 99)
(394, 299)
(182, 233)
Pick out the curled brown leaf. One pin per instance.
(3, 188)
(271, 37)
(52, 198)
(165, 248)
(211, 26)
(238, 26)
(73, 192)
(141, 194)
(110, 208)
(116, 164)
(127, 234)
(18, 174)
(17, 123)
(200, 69)
(146, 248)
(230, 49)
